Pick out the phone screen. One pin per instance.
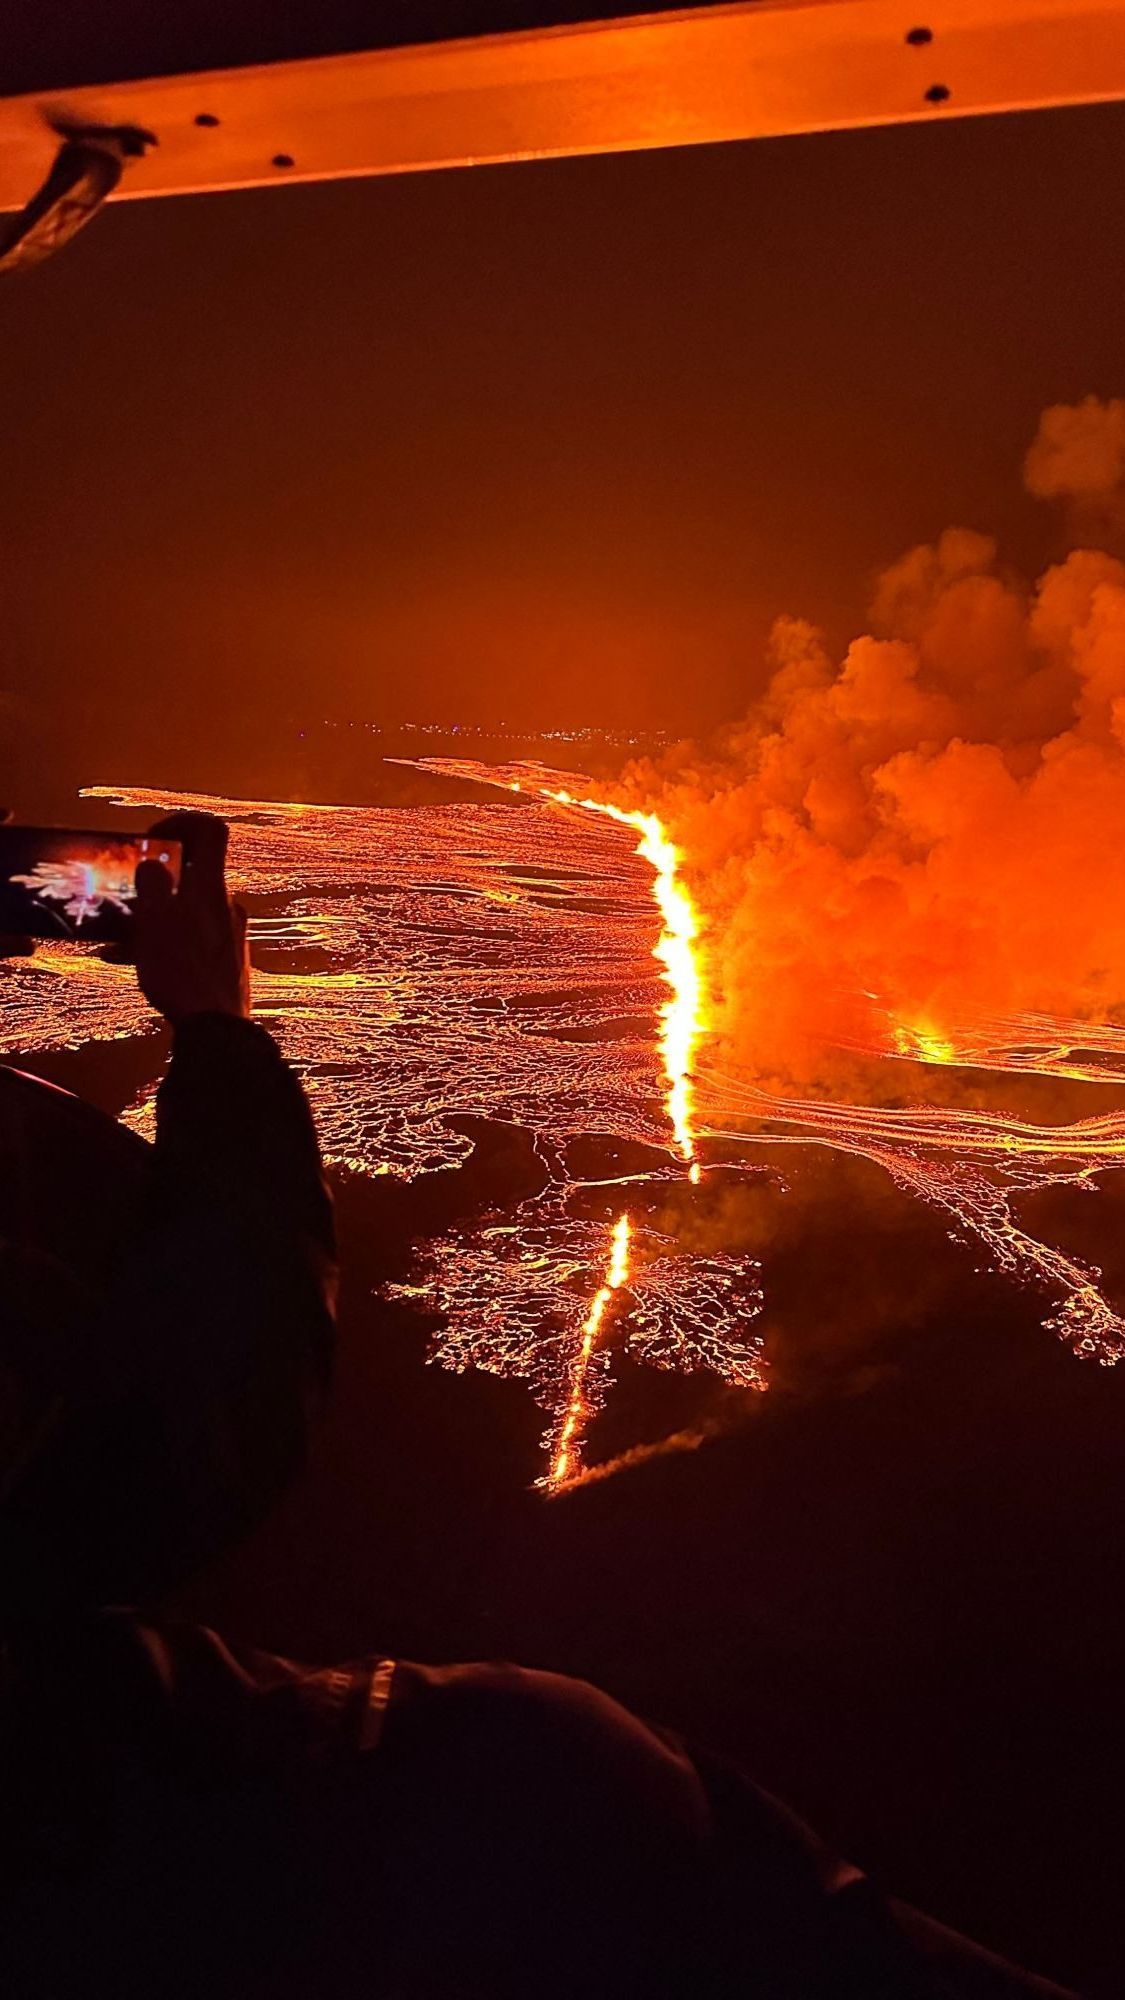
(77, 886)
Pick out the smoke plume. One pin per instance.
(1079, 453)
(893, 847)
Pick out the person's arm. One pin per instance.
(228, 1305)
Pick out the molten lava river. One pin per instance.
(534, 962)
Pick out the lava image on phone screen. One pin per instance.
(79, 886)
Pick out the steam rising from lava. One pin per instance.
(894, 848)
(914, 854)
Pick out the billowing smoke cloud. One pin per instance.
(932, 830)
(1079, 453)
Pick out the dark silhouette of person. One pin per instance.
(180, 1817)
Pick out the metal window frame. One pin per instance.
(761, 68)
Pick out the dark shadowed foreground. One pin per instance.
(890, 1589)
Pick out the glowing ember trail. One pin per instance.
(564, 1444)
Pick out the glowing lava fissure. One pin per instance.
(564, 1440)
(680, 1015)
(439, 972)
(465, 963)
(968, 1164)
(681, 1026)
(676, 949)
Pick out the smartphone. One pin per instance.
(78, 886)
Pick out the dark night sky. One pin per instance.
(550, 442)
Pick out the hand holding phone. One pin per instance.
(159, 899)
(190, 942)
